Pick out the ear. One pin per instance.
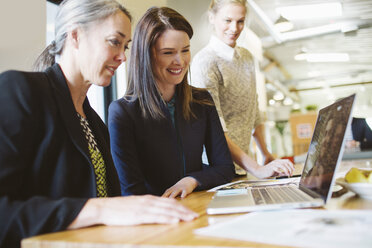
(211, 17)
(74, 37)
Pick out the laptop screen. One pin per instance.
(326, 145)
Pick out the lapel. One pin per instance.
(67, 109)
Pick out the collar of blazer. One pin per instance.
(65, 105)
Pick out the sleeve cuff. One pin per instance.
(223, 124)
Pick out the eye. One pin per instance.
(115, 42)
(168, 53)
(227, 20)
(186, 50)
(241, 22)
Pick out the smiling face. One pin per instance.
(102, 48)
(171, 59)
(228, 22)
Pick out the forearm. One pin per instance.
(89, 214)
(131, 210)
(260, 139)
(240, 157)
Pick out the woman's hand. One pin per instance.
(278, 167)
(268, 158)
(183, 187)
(132, 210)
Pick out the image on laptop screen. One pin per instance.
(329, 135)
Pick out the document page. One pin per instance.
(304, 228)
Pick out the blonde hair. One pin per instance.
(216, 5)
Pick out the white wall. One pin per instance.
(22, 29)
(136, 9)
(195, 11)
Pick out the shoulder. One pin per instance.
(22, 84)
(119, 105)
(200, 93)
(13, 77)
(205, 57)
(123, 106)
(243, 52)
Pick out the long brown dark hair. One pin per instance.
(141, 79)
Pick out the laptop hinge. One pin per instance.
(311, 192)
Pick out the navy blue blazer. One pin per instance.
(147, 153)
(46, 174)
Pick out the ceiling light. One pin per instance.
(300, 56)
(283, 25)
(311, 11)
(314, 74)
(327, 57)
(271, 102)
(296, 106)
(278, 96)
(288, 101)
(322, 57)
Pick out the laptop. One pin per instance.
(315, 186)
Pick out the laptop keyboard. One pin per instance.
(272, 195)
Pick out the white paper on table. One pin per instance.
(303, 228)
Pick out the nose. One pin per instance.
(121, 57)
(234, 26)
(178, 59)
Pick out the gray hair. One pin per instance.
(71, 14)
(216, 5)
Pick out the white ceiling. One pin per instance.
(319, 83)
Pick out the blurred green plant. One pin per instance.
(280, 126)
(296, 111)
(311, 107)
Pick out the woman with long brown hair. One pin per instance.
(158, 129)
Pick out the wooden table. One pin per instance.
(180, 235)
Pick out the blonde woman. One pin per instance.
(227, 71)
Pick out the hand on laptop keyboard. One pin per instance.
(278, 167)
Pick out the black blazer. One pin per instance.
(46, 174)
(148, 153)
(362, 133)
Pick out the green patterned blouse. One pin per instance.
(96, 157)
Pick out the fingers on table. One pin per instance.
(168, 209)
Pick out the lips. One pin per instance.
(175, 71)
(232, 36)
(111, 69)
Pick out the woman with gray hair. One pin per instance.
(56, 170)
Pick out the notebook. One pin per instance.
(314, 189)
